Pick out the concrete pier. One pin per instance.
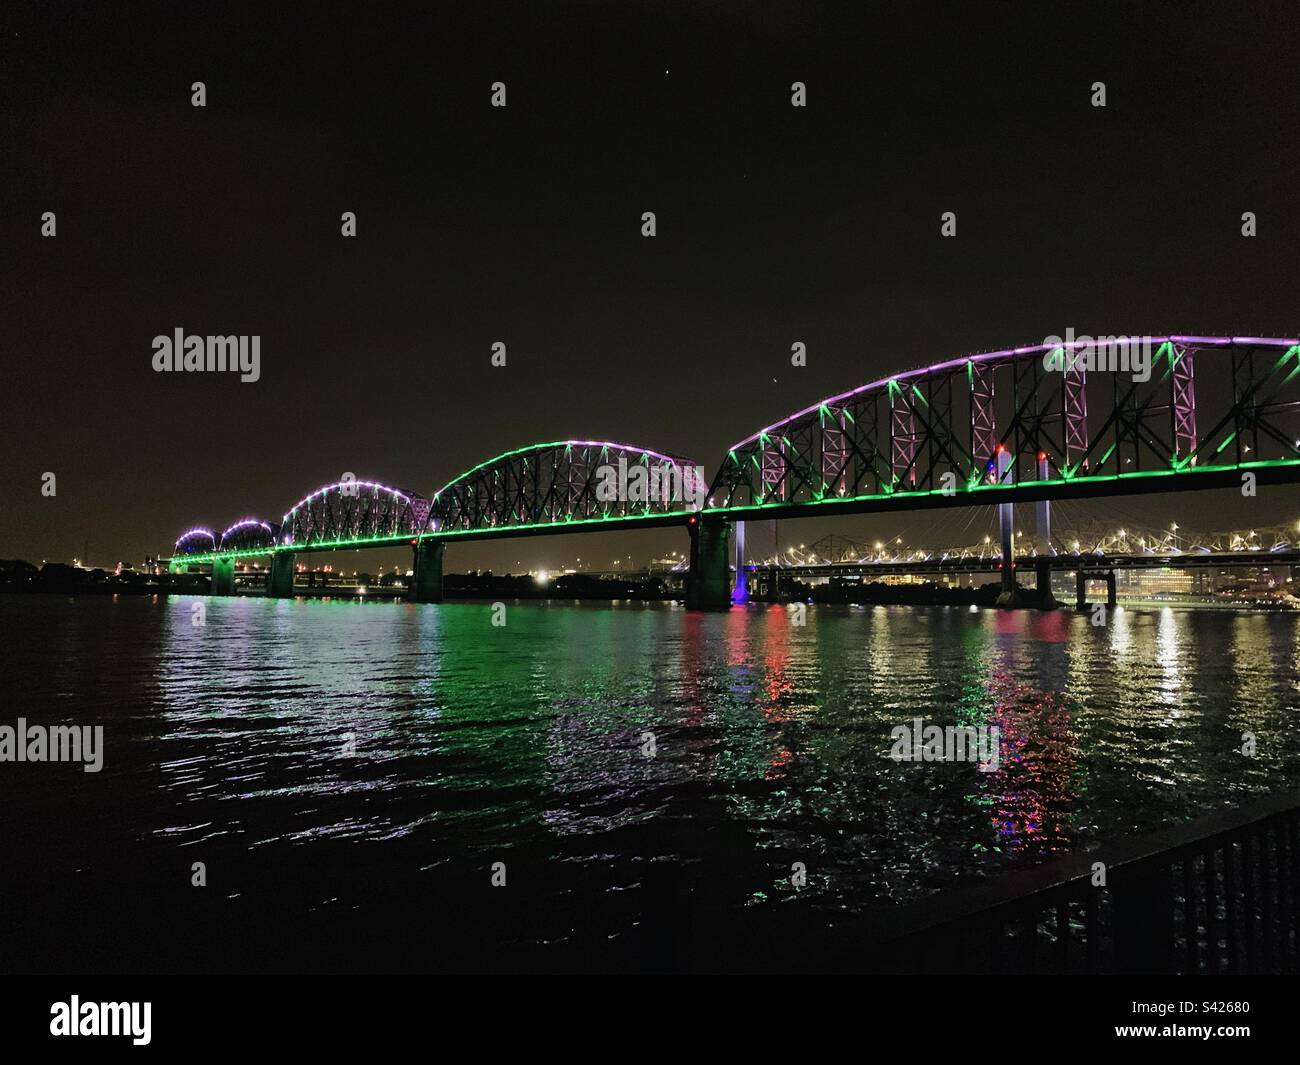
(740, 590)
(1043, 583)
(279, 584)
(708, 582)
(426, 584)
(223, 577)
(1006, 533)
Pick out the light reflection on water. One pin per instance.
(785, 727)
(473, 741)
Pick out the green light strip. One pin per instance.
(896, 495)
(890, 493)
(566, 444)
(406, 538)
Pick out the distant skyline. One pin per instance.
(523, 225)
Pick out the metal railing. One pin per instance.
(1219, 895)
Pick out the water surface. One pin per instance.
(348, 772)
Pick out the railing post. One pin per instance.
(1144, 918)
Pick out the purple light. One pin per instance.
(198, 530)
(672, 460)
(990, 356)
(244, 522)
(340, 484)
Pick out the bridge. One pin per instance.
(766, 580)
(1027, 424)
(1090, 550)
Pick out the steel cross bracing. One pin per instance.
(352, 511)
(563, 483)
(940, 428)
(249, 534)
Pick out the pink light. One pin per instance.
(994, 356)
(244, 523)
(198, 530)
(340, 484)
(672, 460)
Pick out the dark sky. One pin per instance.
(522, 224)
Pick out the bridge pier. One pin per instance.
(708, 581)
(1043, 583)
(426, 584)
(740, 590)
(1043, 511)
(1007, 597)
(1006, 525)
(279, 582)
(1081, 588)
(223, 577)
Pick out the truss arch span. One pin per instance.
(567, 482)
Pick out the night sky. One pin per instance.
(523, 225)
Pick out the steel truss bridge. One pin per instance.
(1018, 425)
